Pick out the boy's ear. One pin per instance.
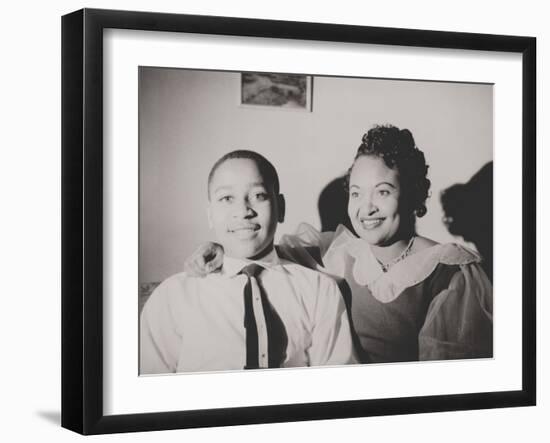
(281, 205)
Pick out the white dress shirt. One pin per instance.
(192, 324)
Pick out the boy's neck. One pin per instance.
(257, 257)
(263, 253)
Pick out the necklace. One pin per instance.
(405, 253)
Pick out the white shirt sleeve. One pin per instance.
(159, 339)
(331, 336)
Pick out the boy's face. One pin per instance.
(243, 209)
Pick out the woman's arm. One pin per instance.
(306, 248)
(207, 258)
(459, 323)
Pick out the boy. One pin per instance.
(259, 311)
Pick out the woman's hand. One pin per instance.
(207, 258)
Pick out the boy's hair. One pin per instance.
(267, 170)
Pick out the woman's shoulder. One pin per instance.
(444, 253)
(422, 243)
(456, 254)
(432, 265)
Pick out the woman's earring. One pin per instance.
(421, 211)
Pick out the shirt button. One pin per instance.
(263, 355)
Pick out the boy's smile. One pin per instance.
(245, 231)
(243, 209)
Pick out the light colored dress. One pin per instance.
(435, 304)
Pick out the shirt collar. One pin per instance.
(232, 266)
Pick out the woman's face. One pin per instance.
(373, 205)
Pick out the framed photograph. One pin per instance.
(227, 263)
(271, 90)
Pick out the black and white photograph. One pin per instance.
(358, 233)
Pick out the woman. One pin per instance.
(410, 298)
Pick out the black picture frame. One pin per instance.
(82, 220)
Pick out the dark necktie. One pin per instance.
(258, 353)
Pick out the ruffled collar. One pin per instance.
(387, 286)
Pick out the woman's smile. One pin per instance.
(374, 200)
(371, 222)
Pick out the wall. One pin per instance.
(30, 221)
(188, 119)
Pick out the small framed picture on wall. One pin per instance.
(274, 90)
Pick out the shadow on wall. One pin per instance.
(468, 210)
(333, 205)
